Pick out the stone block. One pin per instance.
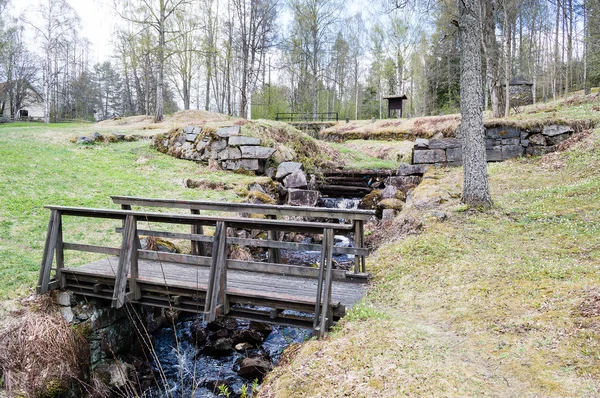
(225, 132)
(421, 143)
(410, 169)
(286, 168)
(202, 144)
(429, 156)
(525, 143)
(503, 132)
(67, 313)
(489, 143)
(256, 152)
(494, 155)
(63, 299)
(246, 164)
(389, 192)
(536, 150)
(557, 139)
(556, 129)
(511, 151)
(445, 143)
(454, 155)
(218, 145)
(524, 135)
(303, 197)
(295, 180)
(537, 139)
(191, 133)
(238, 140)
(511, 141)
(230, 153)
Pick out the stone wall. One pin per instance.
(226, 145)
(501, 143)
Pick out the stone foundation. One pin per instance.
(501, 143)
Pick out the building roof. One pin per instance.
(395, 96)
(519, 81)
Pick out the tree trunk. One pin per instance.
(507, 29)
(158, 114)
(475, 190)
(490, 47)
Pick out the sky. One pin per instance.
(96, 23)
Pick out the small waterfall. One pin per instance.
(339, 203)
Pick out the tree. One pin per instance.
(492, 57)
(476, 191)
(59, 21)
(156, 14)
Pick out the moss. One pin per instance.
(260, 197)
(369, 201)
(54, 388)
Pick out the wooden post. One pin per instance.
(128, 246)
(216, 273)
(320, 281)
(357, 243)
(134, 244)
(60, 253)
(49, 248)
(223, 251)
(274, 254)
(326, 314)
(198, 248)
(361, 233)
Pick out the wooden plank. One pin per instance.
(119, 293)
(361, 233)
(113, 251)
(190, 219)
(222, 259)
(326, 312)
(320, 280)
(171, 235)
(43, 265)
(60, 252)
(276, 210)
(134, 244)
(174, 258)
(49, 252)
(197, 248)
(214, 276)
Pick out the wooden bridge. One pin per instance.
(207, 281)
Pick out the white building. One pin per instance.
(32, 106)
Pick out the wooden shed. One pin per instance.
(394, 103)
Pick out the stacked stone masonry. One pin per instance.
(227, 146)
(501, 143)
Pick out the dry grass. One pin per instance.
(501, 303)
(42, 355)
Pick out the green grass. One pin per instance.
(481, 304)
(357, 158)
(39, 166)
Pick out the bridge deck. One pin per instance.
(243, 287)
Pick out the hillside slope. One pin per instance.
(502, 303)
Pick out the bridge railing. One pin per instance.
(356, 217)
(128, 286)
(307, 117)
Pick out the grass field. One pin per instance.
(39, 166)
(503, 303)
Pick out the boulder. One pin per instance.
(247, 336)
(557, 139)
(369, 201)
(429, 156)
(261, 327)
(97, 136)
(119, 137)
(202, 144)
(392, 203)
(388, 214)
(222, 323)
(246, 164)
(230, 153)
(238, 140)
(454, 155)
(303, 197)
(114, 373)
(286, 168)
(243, 346)
(218, 145)
(218, 348)
(256, 152)
(225, 132)
(67, 313)
(403, 183)
(555, 129)
(84, 140)
(389, 192)
(254, 368)
(295, 180)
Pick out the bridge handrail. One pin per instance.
(274, 210)
(307, 116)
